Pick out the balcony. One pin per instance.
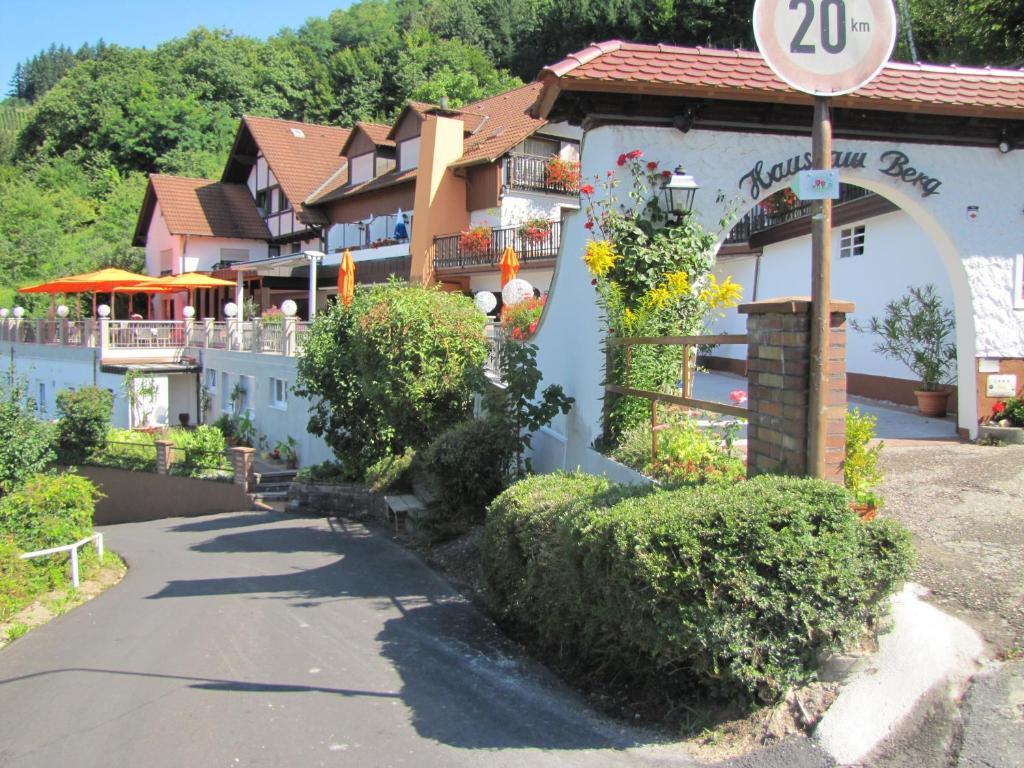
(759, 220)
(530, 173)
(448, 252)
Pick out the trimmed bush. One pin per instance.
(733, 588)
(127, 449)
(201, 448)
(391, 473)
(84, 421)
(469, 463)
(49, 511)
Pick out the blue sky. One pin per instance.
(28, 27)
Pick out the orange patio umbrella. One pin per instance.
(346, 278)
(509, 266)
(101, 281)
(186, 281)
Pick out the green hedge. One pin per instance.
(48, 511)
(84, 420)
(735, 589)
(19, 580)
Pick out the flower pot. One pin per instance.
(1012, 435)
(932, 402)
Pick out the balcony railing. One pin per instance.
(449, 254)
(530, 172)
(759, 220)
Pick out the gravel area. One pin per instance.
(964, 504)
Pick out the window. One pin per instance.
(361, 168)
(282, 200)
(225, 392)
(278, 393)
(232, 255)
(851, 242)
(273, 251)
(261, 202)
(211, 379)
(409, 154)
(248, 388)
(41, 401)
(541, 147)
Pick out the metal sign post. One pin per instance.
(824, 48)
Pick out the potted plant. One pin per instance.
(562, 174)
(287, 450)
(861, 473)
(535, 230)
(476, 241)
(917, 329)
(1006, 424)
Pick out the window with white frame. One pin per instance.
(211, 379)
(851, 242)
(278, 393)
(225, 392)
(541, 147)
(409, 154)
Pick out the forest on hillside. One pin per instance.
(80, 129)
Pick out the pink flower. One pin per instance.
(587, 189)
(738, 396)
(652, 165)
(610, 172)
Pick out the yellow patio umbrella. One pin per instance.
(509, 266)
(346, 278)
(186, 281)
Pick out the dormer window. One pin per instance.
(261, 202)
(298, 133)
(409, 154)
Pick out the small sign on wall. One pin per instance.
(817, 185)
(1002, 385)
(973, 211)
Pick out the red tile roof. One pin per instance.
(504, 121)
(389, 179)
(301, 155)
(376, 132)
(201, 207)
(670, 70)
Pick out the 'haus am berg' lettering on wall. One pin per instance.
(892, 163)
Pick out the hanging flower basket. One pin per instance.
(563, 174)
(779, 204)
(476, 241)
(535, 231)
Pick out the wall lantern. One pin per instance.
(103, 310)
(62, 310)
(678, 191)
(230, 309)
(289, 308)
(188, 313)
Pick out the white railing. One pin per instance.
(73, 549)
(146, 334)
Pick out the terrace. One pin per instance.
(759, 220)
(531, 173)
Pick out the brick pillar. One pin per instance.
(778, 387)
(241, 462)
(164, 456)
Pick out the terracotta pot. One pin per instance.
(932, 402)
(866, 512)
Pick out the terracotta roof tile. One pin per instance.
(204, 207)
(301, 156)
(378, 133)
(505, 120)
(745, 75)
(339, 191)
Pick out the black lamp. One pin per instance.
(679, 190)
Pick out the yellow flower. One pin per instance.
(719, 295)
(600, 257)
(658, 296)
(677, 283)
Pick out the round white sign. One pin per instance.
(825, 47)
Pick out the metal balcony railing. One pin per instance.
(530, 172)
(758, 220)
(449, 254)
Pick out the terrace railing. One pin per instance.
(758, 219)
(530, 172)
(449, 253)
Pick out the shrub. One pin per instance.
(49, 511)
(324, 472)
(391, 473)
(396, 367)
(127, 449)
(201, 448)
(26, 443)
(84, 422)
(18, 579)
(733, 588)
(469, 464)
(860, 465)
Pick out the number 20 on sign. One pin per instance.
(825, 47)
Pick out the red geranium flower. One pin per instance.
(666, 174)
(634, 155)
(998, 407)
(652, 165)
(622, 160)
(586, 189)
(533, 326)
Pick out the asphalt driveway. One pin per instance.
(264, 639)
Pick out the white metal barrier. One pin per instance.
(73, 549)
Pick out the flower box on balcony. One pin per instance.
(535, 231)
(476, 241)
(563, 174)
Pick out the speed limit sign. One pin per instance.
(825, 47)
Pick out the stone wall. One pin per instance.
(351, 500)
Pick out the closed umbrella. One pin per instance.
(346, 278)
(509, 266)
